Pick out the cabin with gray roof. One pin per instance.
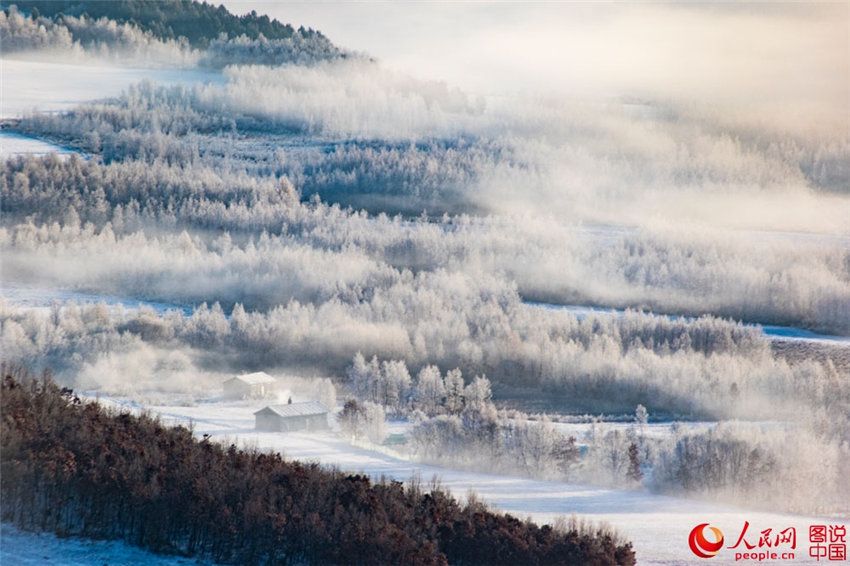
(308, 416)
(257, 385)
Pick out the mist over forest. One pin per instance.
(320, 214)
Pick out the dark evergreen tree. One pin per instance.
(634, 472)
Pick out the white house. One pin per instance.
(309, 415)
(250, 386)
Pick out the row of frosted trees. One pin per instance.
(455, 423)
(700, 275)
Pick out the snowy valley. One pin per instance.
(630, 308)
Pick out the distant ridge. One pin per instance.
(199, 23)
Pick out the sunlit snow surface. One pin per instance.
(43, 86)
(23, 296)
(12, 144)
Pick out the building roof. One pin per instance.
(296, 409)
(254, 378)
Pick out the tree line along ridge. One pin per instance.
(200, 23)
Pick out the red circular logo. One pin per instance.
(701, 546)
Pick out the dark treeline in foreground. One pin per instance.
(73, 468)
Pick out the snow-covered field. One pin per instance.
(657, 525)
(27, 297)
(12, 144)
(44, 86)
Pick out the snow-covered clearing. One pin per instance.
(25, 297)
(43, 86)
(12, 144)
(657, 525)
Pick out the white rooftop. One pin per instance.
(255, 378)
(296, 409)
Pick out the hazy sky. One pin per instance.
(796, 53)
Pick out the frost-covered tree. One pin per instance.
(352, 418)
(360, 377)
(395, 385)
(641, 416)
(374, 422)
(454, 399)
(538, 446)
(607, 458)
(302, 48)
(478, 394)
(430, 390)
